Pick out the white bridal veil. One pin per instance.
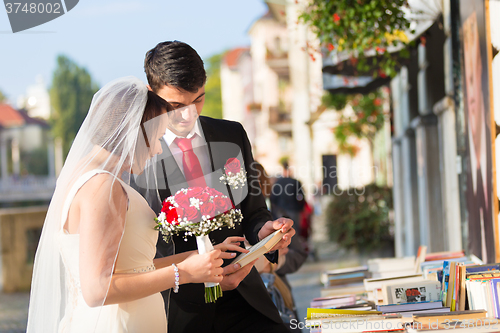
(109, 139)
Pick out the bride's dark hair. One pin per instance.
(155, 106)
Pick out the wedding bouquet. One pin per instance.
(197, 211)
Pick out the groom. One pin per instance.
(175, 72)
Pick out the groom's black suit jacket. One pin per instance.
(225, 139)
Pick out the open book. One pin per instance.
(259, 249)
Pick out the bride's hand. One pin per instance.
(201, 268)
(231, 244)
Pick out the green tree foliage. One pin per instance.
(3, 98)
(213, 95)
(70, 95)
(359, 219)
(367, 119)
(35, 162)
(356, 26)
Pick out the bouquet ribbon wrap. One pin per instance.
(213, 290)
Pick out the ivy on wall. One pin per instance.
(366, 120)
(357, 26)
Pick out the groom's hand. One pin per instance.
(231, 244)
(233, 275)
(282, 223)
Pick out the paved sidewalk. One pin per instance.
(13, 312)
(306, 283)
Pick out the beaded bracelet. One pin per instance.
(176, 273)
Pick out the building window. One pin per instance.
(329, 173)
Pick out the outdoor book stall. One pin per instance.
(429, 293)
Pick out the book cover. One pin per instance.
(353, 288)
(451, 284)
(452, 316)
(379, 323)
(391, 264)
(259, 249)
(496, 290)
(313, 313)
(420, 291)
(446, 277)
(444, 255)
(413, 306)
(346, 270)
(409, 314)
(456, 291)
(332, 280)
(483, 268)
(422, 251)
(461, 306)
(455, 288)
(378, 283)
(334, 301)
(484, 276)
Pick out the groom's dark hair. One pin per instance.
(175, 64)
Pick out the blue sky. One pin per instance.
(111, 37)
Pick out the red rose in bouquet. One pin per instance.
(173, 215)
(208, 209)
(195, 192)
(182, 199)
(192, 214)
(232, 166)
(222, 204)
(204, 197)
(212, 192)
(166, 206)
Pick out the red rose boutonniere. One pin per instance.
(235, 176)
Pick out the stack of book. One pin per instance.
(344, 276)
(391, 267)
(456, 321)
(409, 309)
(333, 302)
(344, 281)
(481, 283)
(348, 321)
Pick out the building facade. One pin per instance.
(274, 88)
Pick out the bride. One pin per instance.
(94, 269)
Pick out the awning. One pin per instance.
(341, 84)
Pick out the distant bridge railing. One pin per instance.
(29, 188)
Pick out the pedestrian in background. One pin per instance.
(290, 260)
(287, 198)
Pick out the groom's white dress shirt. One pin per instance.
(200, 147)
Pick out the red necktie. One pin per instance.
(191, 164)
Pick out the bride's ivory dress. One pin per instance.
(135, 255)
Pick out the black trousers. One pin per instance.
(231, 314)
